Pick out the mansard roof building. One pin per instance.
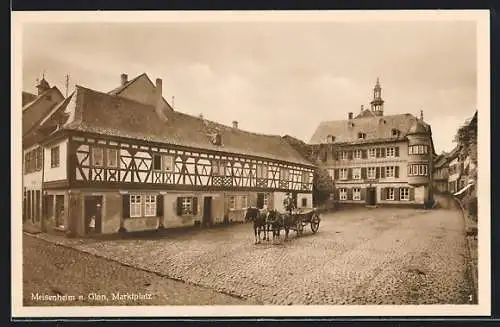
(127, 160)
(375, 158)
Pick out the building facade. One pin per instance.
(375, 158)
(127, 160)
(35, 107)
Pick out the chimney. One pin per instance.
(235, 124)
(159, 100)
(124, 79)
(421, 115)
(349, 115)
(362, 108)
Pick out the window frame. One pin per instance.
(404, 194)
(390, 152)
(343, 174)
(133, 205)
(187, 205)
(305, 177)
(232, 202)
(150, 205)
(108, 156)
(390, 194)
(356, 173)
(372, 153)
(392, 171)
(358, 154)
(344, 155)
(343, 194)
(94, 150)
(261, 171)
(331, 172)
(54, 156)
(244, 201)
(356, 194)
(167, 159)
(285, 174)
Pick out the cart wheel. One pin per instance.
(315, 223)
(300, 228)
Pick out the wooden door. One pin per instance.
(93, 207)
(207, 210)
(260, 200)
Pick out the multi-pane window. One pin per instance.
(168, 163)
(343, 155)
(343, 173)
(390, 152)
(372, 153)
(356, 193)
(305, 177)
(150, 206)
(33, 160)
(38, 159)
(98, 157)
(357, 154)
(54, 157)
(389, 171)
(187, 206)
(361, 136)
(372, 172)
(390, 194)
(135, 205)
(266, 199)
(244, 201)
(232, 202)
(356, 173)
(404, 193)
(418, 170)
(261, 171)
(285, 174)
(112, 158)
(418, 149)
(343, 194)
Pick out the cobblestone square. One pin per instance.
(359, 256)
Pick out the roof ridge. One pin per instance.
(123, 87)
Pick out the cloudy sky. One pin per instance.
(273, 77)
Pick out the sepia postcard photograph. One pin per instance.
(257, 163)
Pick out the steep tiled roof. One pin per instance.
(28, 97)
(33, 113)
(375, 128)
(103, 113)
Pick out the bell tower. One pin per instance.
(377, 104)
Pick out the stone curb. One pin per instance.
(40, 236)
(472, 266)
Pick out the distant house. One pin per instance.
(35, 108)
(441, 172)
(132, 162)
(377, 159)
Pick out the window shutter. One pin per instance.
(336, 155)
(408, 168)
(336, 174)
(195, 206)
(349, 155)
(363, 194)
(396, 151)
(336, 194)
(363, 173)
(349, 173)
(382, 172)
(126, 205)
(412, 194)
(396, 194)
(159, 205)
(179, 206)
(382, 152)
(364, 154)
(383, 193)
(396, 171)
(377, 153)
(349, 194)
(377, 172)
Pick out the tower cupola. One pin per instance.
(377, 104)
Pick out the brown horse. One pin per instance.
(259, 220)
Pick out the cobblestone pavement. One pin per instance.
(53, 270)
(359, 256)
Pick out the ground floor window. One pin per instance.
(404, 194)
(266, 199)
(343, 194)
(356, 193)
(135, 205)
(304, 202)
(150, 206)
(187, 206)
(244, 202)
(232, 202)
(390, 194)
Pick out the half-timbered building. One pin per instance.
(132, 162)
(375, 158)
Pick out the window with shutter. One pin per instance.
(364, 154)
(349, 155)
(349, 173)
(396, 194)
(363, 173)
(382, 152)
(396, 151)
(377, 172)
(179, 206)
(126, 205)
(195, 206)
(378, 153)
(159, 205)
(383, 193)
(382, 172)
(396, 171)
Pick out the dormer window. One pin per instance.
(330, 139)
(217, 139)
(395, 132)
(351, 124)
(361, 136)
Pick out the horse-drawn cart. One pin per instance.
(301, 219)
